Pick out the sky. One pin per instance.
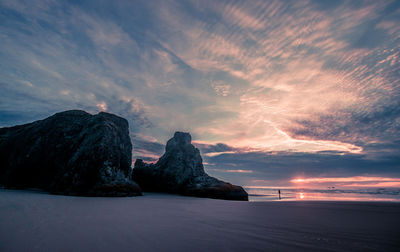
(274, 93)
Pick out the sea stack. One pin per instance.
(180, 170)
(71, 153)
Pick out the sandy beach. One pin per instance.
(36, 221)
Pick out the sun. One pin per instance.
(299, 180)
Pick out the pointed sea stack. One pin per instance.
(71, 153)
(180, 170)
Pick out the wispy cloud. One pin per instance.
(299, 77)
(308, 75)
(231, 171)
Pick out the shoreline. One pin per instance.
(252, 197)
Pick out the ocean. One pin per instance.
(333, 194)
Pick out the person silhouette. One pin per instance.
(279, 193)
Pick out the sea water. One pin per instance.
(333, 194)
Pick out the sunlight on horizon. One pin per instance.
(355, 181)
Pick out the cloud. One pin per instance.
(305, 78)
(284, 76)
(345, 179)
(64, 73)
(278, 168)
(221, 89)
(146, 148)
(210, 148)
(231, 171)
(356, 181)
(304, 73)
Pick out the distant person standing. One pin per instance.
(279, 193)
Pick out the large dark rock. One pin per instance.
(72, 153)
(180, 170)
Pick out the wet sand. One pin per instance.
(34, 221)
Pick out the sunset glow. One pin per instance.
(357, 181)
(299, 93)
(348, 179)
(240, 171)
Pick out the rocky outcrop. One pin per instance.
(180, 170)
(72, 153)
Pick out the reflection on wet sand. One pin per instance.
(265, 194)
(341, 197)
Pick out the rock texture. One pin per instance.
(180, 170)
(72, 153)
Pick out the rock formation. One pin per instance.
(72, 153)
(180, 170)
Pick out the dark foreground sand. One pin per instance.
(33, 221)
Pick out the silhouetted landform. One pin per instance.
(76, 153)
(180, 170)
(71, 153)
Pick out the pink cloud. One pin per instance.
(232, 170)
(356, 181)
